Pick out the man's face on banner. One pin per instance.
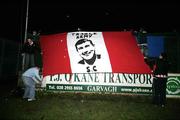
(86, 50)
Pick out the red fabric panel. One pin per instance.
(125, 56)
(55, 54)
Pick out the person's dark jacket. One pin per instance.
(30, 49)
(161, 67)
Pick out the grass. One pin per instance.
(78, 106)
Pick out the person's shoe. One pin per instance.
(29, 100)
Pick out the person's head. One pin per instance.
(34, 32)
(85, 48)
(37, 67)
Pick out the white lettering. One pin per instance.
(102, 89)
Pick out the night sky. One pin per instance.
(54, 17)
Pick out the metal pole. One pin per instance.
(27, 13)
(25, 36)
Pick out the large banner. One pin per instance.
(92, 52)
(98, 62)
(94, 62)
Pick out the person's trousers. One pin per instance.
(159, 91)
(162, 91)
(29, 84)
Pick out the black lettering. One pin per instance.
(85, 35)
(135, 77)
(111, 76)
(88, 69)
(76, 77)
(118, 79)
(94, 68)
(142, 78)
(124, 75)
(77, 35)
(90, 35)
(130, 78)
(68, 77)
(81, 35)
(149, 77)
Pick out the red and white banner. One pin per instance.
(92, 52)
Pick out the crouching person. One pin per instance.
(30, 78)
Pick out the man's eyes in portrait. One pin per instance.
(87, 46)
(80, 48)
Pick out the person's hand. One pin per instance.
(40, 83)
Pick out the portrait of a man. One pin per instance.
(86, 50)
